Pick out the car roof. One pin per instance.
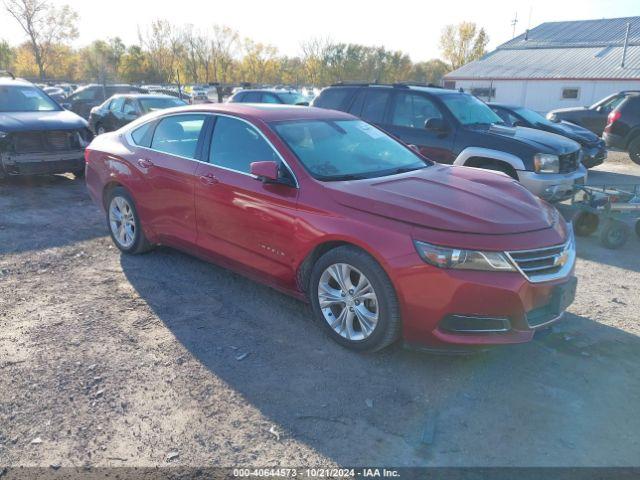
(267, 112)
(431, 89)
(141, 95)
(15, 81)
(269, 90)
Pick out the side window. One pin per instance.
(333, 98)
(236, 144)
(86, 94)
(413, 110)
(358, 102)
(375, 104)
(270, 98)
(505, 116)
(142, 135)
(571, 93)
(130, 107)
(178, 135)
(239, 97)
(251, 97)
(116, 104)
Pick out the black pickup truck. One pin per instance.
(37, 136)
(456, 128)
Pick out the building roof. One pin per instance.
(586, 49)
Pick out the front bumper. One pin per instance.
(505, 306)
(42, 163)
(594, 156)
(553, 187)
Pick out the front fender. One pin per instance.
(471, 152)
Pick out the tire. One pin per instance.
(498, 167)
(634, 150)
(614, 234)
(78, 173)
(381, 300)
(585, 223)
(128, 240)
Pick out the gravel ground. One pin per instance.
(161, 359)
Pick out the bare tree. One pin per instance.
(163, 43)
(223, 48)
(46, 27)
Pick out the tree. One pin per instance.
(164, 47)
(46, 27)
(100, 60)
(7, 55)
(431, 71)
(463, 43)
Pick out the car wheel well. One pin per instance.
(304, 271)
(492, 164)
(106, 191)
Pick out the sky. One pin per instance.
(411, 26)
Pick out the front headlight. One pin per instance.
(546, 163)
(444, 257)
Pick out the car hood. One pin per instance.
(542, 141)
(575, 132)
(29, 121)
(458, 199)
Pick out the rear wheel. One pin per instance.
(124, 223)
(614, 234)
(354, 300)
(634, 150)
(585, 223)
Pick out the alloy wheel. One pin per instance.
(348, 301)
(122, 222)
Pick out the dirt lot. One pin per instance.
(163, 359)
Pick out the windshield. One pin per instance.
(346, 149)
(533, 117)
(468, 110)
(292, 98)
(152, 104)
(25, 99)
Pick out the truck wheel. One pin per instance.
(614, 234)
(634, 150)
(585, 223)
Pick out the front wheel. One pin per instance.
(124, 223)
(354, 300)
(634, 150)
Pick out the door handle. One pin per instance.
(145, 163)
(208, 179)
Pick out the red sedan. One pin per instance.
(321, 205)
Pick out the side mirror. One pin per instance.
(436, 125)
(519, 123)
(66, 105)
(265, 171)
(599, 108)
(413, 147)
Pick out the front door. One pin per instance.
(409, 113)
(239, 217)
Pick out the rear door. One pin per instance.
(114, 112)
(169, 167)
(238, 216)
(408, 114)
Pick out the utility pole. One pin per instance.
(514, 22)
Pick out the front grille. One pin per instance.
(569, 162)
(46, 141)
(545, 264)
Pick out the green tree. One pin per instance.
(45, 26)
(7, 55)
(430, 71)
(463, 43)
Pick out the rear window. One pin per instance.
(334, 98)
